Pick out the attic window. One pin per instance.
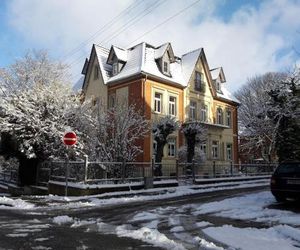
(115, 68)
(199, 84)
(166, 67)
(218, 85)
(96, 72)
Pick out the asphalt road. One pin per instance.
(34, 229)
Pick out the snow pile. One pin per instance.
(6, 203)
(275, 238)
(207, 245)
(152, 236)
(249, 207)
(63, 219)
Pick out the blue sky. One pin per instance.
(245, 37)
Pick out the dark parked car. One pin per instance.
(285, 181)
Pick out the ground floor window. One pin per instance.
(215, 149)
(172, 147)
(229, 152)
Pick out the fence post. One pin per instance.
(214, 169)
(86, 163)
(152, 165)
(193, 170)
(177, 170)
(231, 169)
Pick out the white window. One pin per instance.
(218, 86)
(229, 152)
(203, 114)
(219, 116)
(157, 102)
(172, 105)
(115, 68)
(203, 147)
(228, 118)
(165, 67)
(193, 107)
(96, 72)
(172, 147)
(198, 81)
(215, 150)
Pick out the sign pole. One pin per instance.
(67, 173)
(69, 140)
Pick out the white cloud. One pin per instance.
(254, 40)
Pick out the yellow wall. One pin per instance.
(96, 87)
(215, 132)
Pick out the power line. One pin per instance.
(105, 26)
(165, 21)
(139, 17)
(124, 27)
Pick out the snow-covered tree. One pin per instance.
(161, 129)
(256, 127)
(199, 155)
(194, 133)
(35, 111)
(284, 110)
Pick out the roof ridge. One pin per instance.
(100, 46)
(193, 51)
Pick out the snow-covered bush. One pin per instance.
(199, 155)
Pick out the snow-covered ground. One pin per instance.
(186, 226)
(183, 227)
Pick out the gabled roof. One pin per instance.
(85, 66)
(188, 63)
(120, 53)
(161, 50)
(102, 55)
(218, 72)
(142, 59)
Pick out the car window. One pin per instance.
(288, 168)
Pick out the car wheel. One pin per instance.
(280, 198)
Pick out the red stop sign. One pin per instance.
(70, 138)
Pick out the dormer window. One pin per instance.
(166, 67)
(115, 68)
(218, 85)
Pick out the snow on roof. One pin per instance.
(227, 95)
(188, 62)
(142, 59)
(159, 52)
(102, 54)
(215, 73)
(133, 65)
(120, 53)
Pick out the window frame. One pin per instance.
(165, 67)
(215, 150)
(220, 119)
(172, 105)
(115, 68)
(96, 72)
(194, 108)
(229, 156)
(111, 101)
(198, 81)
(158, 101)
(204, 113)
(172, 147)
(229, 118)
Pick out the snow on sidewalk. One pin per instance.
(249, 207)
(275, 238)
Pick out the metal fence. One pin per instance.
(10, 176)
(127, 172)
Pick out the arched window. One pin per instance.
(219, 116)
